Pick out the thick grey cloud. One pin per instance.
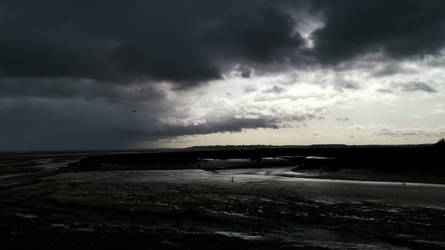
(71, 72)
(392, 69)
(417, 86)
(224, 124)
(342, 84)
(408, 87)
(188, 42)
(398, 28)
(243, 71)
(180, 41)
(67, 88)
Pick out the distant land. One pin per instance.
(423, 158)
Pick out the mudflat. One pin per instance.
(240, 204)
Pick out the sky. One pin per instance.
(108, 74)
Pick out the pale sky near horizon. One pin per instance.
(119, 75)
(356, 106)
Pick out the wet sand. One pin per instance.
(248, 208)
(280, 181)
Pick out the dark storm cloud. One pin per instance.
(181, 41)
(74, 70)
(188, 42)
(77, 88)
(398, 28)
